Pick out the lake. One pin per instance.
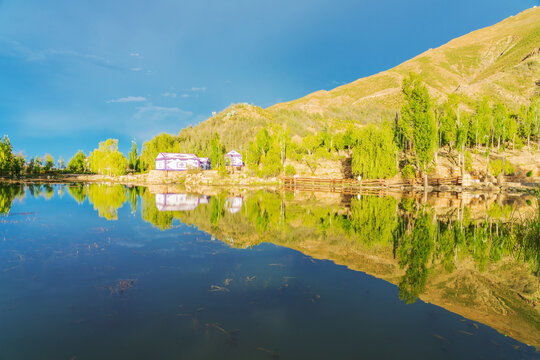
(110, 272)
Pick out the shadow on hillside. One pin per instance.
(346, 168)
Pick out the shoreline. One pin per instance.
(210, 179)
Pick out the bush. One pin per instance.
(290, 170)
(497, 167)
(408, 172)
(529, 173)
(322, 153)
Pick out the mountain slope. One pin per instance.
(500, 61)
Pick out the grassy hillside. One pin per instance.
(501, 62)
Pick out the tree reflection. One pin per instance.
(77, 192)
(414, 251)
(107, 199)
(8, 193)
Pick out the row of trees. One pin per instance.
(106, 160)
(12, 164)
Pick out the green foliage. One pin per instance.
(373, 219)
(414, 251)
(107, 199)
(408, 171)
(107, 160)
(78, 162)
(49, 162)
(217, 152)
(77, 192)
(496, 167)
(290, 170)
(312, 163)
(8, 193)
(374, 155)
(133, 160)
(271, 162)
(6, 156)
(416, 113)
(161, 143)
(468, 161)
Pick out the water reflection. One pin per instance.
(475, 255)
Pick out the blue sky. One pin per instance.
(73, 73)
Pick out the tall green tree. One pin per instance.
(6, 156)
(133, 157)
(78, 163)
(49, 162)
(217, 152)
(499, 122)
(107, 160)
(484, 119)
(416, 110)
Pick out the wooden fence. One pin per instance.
(355, 186)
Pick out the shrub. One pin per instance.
(497, 167)
(529, 173)
(408, 172)
(290, 170)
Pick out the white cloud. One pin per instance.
(169, 94)
(185, 95)
(136, 69)
(197, 89)
(127, 99)
(134, 54)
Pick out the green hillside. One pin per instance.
(500, 62)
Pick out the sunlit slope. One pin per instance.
(500, 61)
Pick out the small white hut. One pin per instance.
(234, 158)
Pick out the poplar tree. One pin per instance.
(133, 157)
(416, 110)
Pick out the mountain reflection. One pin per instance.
(475, 255)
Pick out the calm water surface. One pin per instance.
(106, 272)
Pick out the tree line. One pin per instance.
(409, 144)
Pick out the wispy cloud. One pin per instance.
(127, 99)
(198, 89)
(185, 95)
(135, 54)
(152, 119)
(136, 68)
(169, 94)
(161, 110)
(16, 49)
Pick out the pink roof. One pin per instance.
(167, 156)
(233, 153)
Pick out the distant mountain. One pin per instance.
(501, 61)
